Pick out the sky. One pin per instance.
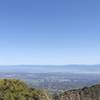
(49, 32)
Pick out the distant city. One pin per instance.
(52, 77)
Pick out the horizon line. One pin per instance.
(47, 64)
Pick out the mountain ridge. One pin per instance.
(86, 93)
(52, 68)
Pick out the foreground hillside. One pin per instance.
(11, 89)
(87, 93)
(17, 90)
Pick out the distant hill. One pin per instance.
(51, 68)
(87, 93)
(11, 89)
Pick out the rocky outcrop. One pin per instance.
(87, 93)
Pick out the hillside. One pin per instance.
(87, 93)
(11, 89)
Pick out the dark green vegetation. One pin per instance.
(11, 89)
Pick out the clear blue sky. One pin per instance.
(49, 32)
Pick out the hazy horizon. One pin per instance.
(82, 69)
(49, 64)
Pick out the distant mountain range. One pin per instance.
(51, 68)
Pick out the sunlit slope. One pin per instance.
(11, 89)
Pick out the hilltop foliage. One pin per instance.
(11, 89)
